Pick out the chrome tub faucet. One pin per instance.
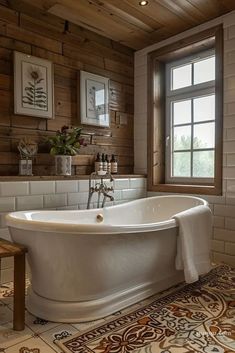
(97, 184)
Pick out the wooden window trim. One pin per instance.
(207, 39)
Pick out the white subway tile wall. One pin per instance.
(4, 234)
(132, 194)
(60, 195)
(66, 186)
(14, 188)
(29, 202)
(223, 208)
(57, 200)
(138, 183)
(41, 187)
(83, 185)
(121, 184)
(7, 204)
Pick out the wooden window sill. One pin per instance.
(186, 189)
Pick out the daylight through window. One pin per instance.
(190, 119)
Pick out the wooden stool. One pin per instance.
(8, 249)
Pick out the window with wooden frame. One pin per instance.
(185, 113)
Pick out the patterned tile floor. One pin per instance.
(39, 336)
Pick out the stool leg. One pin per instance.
(19, 292)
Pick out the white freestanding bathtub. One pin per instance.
(84, 268)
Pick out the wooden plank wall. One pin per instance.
(71, 48)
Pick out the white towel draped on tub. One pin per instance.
(193, 243)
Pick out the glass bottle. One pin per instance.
(108, 163)
(98, 163)
(105, 163)
(114, 165)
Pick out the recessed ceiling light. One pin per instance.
(143, 3)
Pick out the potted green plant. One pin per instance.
(65, 144)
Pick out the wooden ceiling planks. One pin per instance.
(212, 8)
(112, 23)
(132, 25)
(156, 10)
(228, 4)
(184, 9)
(129, 9)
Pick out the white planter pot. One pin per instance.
(63, 165)
(25, 167)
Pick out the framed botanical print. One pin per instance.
(33, 86)
(94, 99)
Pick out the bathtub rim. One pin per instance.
(13, 221)
(63, 228)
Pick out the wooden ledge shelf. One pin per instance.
(56, 177)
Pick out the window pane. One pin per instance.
(182, 138)
(204, 70)
(181, 164)
(204, 136)
(182, 76)
(204, 108)
(182, 112)
(203, 164)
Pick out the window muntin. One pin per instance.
(190, 130)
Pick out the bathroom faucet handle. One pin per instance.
(97, 188)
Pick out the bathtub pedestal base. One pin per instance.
(71, 312)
